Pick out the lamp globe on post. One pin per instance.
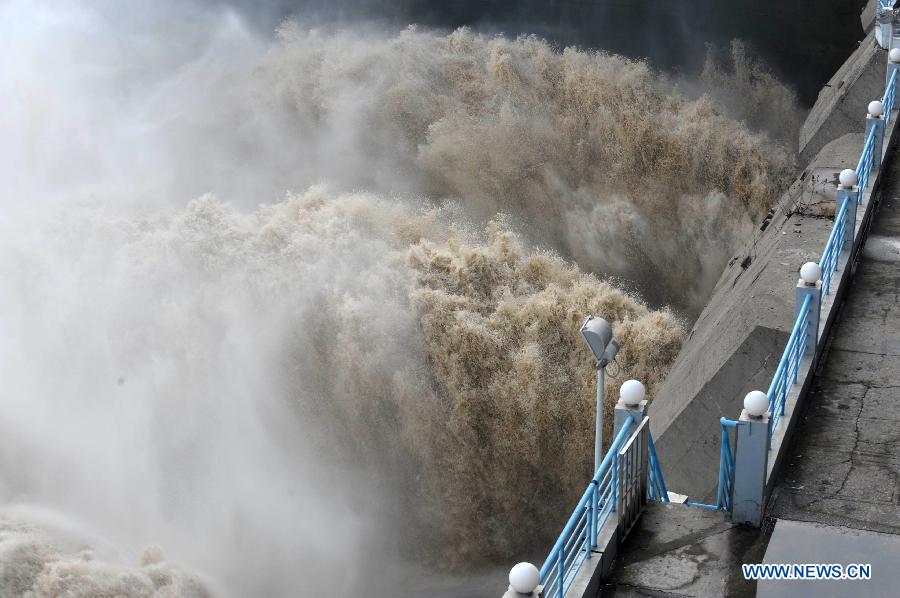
(524, 578)
(756, 403)
(876, 109)
(810, 273)
(894, 55)
(847, 178)
(632, 393)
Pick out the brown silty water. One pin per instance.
(316, 300)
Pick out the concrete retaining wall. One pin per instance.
(737, 342)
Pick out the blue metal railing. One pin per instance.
(726, 470)
(726, 466)
(786, 374)
(888, 100)
(831, 255)
(582, 530)
(864, 167)
(657, 485)
(835, 246)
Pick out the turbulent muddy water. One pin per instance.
(271, 305)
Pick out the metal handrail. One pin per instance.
(888, 100)
(726, 471)
(864, 166)
(581, 532)
(835, 246)
(633, 461)
(726, 466)
(657, 487)
(786, 373)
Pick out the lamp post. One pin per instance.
(598, 335)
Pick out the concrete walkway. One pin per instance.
(844, 466)
(676, 551)
(842, 478)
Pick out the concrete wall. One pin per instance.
(841, 105)
(867, 16)
(737, 341)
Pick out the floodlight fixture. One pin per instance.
(598, 334)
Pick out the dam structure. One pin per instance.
(774, 439)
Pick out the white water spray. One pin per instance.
(269, 391)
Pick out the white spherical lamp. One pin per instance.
(524, 578)
(756, 403)
(894, 55)
(847, 178)
(810, 273)
(632, 393)
(876, 108)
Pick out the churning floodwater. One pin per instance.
(295, 313)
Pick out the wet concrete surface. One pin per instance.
(676, 550)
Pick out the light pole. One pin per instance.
(598, 335)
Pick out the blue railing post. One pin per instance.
(660, 492)
(809, 285)
(751, 460)
(561, 572)
(726, 467)
(722, 491)
(875, 120)
(614, 484)
(592, 518)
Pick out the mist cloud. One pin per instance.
(279, 304)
